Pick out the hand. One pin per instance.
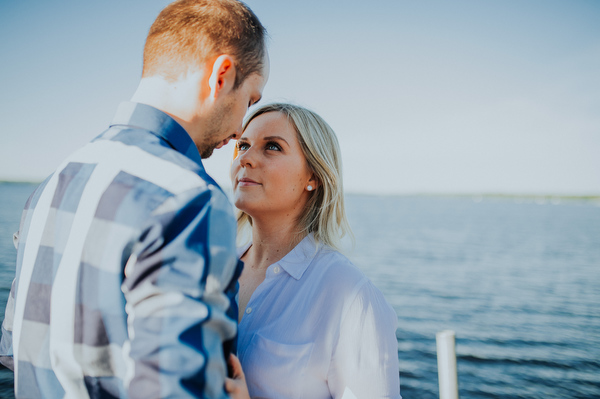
(236, 387)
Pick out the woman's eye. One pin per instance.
(242, 146)
(273, 147)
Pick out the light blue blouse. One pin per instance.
(316, 328)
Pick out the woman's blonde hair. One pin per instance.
(325, 215)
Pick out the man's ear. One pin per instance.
(222, 77)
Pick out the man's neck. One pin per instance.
(179, 99)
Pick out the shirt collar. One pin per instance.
(297, 260)
(160, 124)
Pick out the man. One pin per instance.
(126, 259)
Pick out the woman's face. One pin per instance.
(270, 174)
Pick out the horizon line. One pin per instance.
(594, 196)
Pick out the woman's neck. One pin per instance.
(271, 242)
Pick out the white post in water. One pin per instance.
(446, 357)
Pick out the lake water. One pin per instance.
(519, 282)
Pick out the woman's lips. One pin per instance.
(245, 182)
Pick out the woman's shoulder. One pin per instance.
(332, 261)
(336, 270)
(344, 280)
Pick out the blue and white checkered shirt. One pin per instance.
(126, 271)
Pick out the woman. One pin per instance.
(311, 325)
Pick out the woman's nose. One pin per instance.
(246, 158)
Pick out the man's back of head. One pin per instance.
(205, 63)
(188, 32)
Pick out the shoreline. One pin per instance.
(475, 196)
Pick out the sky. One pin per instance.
(432, 96)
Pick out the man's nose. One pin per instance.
(238, 133)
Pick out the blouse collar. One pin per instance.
(297, 261)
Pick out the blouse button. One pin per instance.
(276, 269)
(248, 310)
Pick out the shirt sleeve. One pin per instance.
(176, 285)
(6, 348)
(365, 360)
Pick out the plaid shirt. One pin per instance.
(126, 270)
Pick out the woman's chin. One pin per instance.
(241, 203)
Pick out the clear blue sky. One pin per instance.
(425, 96)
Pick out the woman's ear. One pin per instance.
(313, 183)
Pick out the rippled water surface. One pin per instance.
(518, 282)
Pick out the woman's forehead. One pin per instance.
(269, 124)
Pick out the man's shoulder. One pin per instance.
(143, 156)
(128, 143)
(132, 173)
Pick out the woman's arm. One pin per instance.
(365, 358)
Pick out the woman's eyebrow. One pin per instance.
(276, 138)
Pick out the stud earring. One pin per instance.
(309, 188)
